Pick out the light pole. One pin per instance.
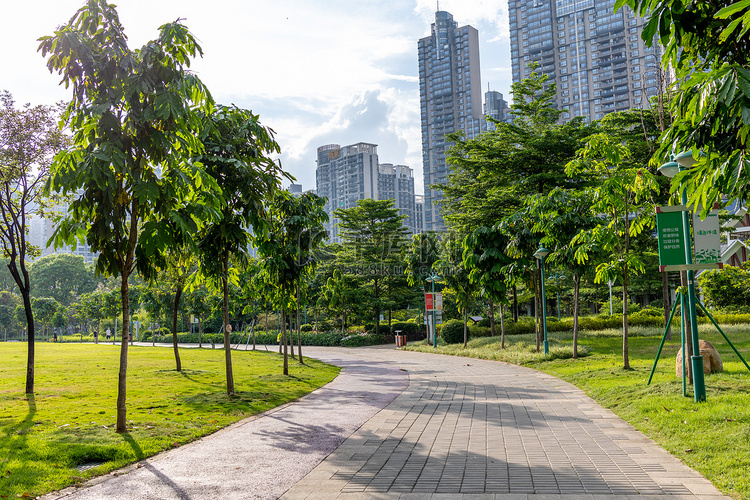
(684, 161)
(432, 279)
(557, 277)
(540, 254)
(610, 283)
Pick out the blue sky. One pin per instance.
(316, 71)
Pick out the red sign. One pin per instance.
(433, 302)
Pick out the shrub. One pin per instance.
(306, 328)
(399, 325)
(384, 330)
(362, 339)
(478, 331)
(453, 331)
(484, 322)
(410, 328)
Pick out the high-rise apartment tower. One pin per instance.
(450, 100)
(594, 55)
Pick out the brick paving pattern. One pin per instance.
(481, 429)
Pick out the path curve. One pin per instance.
(453, 427)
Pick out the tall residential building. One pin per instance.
(595, 57)
(495, 106)
(350, 173)
(396, 182)
(450, 100)
(419, 211)
(345, 175)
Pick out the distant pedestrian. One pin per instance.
(54, 336)
(108, 333)
(96, 336)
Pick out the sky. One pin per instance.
(316, 71)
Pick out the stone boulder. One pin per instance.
(711, 359)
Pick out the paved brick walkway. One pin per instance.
(469, 427)
(414, 426)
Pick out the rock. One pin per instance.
(711, 359)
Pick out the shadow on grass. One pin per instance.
(130, 440)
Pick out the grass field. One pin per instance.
(712, 437)
(47, 441)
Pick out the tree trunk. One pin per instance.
(515, 303)
(290, 335)
(491, 314)
(177, 297)
(283, 340)
(377, 309)
(30, 342)
(24, 286)
(200, 332)
(227, 345)
(576, 298)
(122, 385)
(667, 303)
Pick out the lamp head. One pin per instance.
(541, 252)
(669, 169)
(685, 159)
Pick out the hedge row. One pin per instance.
(271, 338)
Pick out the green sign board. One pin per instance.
(671, 238)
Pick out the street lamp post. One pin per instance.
(432, 279)
(540, 254)
(684, 161)
(557, 277)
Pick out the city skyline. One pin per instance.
(315, 72)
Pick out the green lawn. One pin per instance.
(712, 437)
(70, 420)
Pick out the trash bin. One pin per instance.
(400, 339)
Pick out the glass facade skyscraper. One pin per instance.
(594, 55)
(450, 100)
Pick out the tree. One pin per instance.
(707, 45)
(8, 304)
(728, 288)
(561, 216)
(296, 230)
(198, 302)
(62, 276)
(622, 196)
(29, 139)
(237, 156)
(373, 236)
(134, 118)
(456, 276)
(45, 309)
(485, 258)
(493, 173)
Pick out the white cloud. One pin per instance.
(316, 71)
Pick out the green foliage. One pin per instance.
(62, 276)
(727, 288)
(374, 238)
(706, 44)
(453, 331)
(71, 419)
(362, 339)
(306, 328)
